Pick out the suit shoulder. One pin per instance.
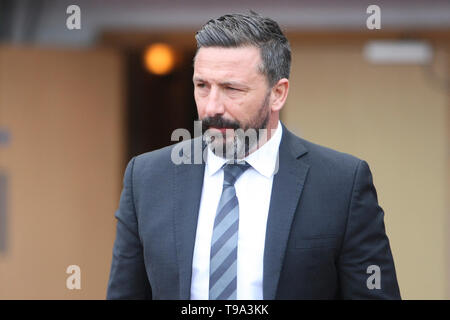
(328, 152)
(331, 169)
(329, 158)
(155, 156)
(166, 157)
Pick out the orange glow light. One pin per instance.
(159, 58)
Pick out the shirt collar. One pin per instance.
(264, 160)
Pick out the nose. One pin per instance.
(214, 103)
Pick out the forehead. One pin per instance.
(217, 63)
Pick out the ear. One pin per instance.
(279, 94)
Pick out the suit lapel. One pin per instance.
(187, 186)
(286, 190)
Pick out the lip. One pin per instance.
(222, 130)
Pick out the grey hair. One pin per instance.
(239, 30)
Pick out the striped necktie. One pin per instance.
(224, 243)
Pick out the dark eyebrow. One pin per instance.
(198, 79)
(234, 84)
(230, 83)
(225, 83)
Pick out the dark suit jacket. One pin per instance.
(324, 229)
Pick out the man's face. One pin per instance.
(230, 93)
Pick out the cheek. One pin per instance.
(243, 109)
(236, 110)
(199, 102)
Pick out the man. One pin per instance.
(289, 220)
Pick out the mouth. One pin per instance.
(222, 130)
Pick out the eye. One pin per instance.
(233, 89)
(200, 85)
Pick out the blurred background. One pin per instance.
(77, 104)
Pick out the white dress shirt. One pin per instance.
(253, 190)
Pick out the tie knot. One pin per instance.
(231, 172)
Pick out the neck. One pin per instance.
(265, 134)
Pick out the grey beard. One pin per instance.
(242, 144)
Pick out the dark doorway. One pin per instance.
(157, 104)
